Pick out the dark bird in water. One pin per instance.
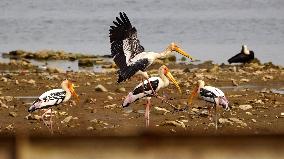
(245, 56)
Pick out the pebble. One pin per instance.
(100, 88)
(4, 79)
(10, 127)
(120, 90)
(162, 110)
(174, 123)
(16, 82)
(234, 83)
(3, 105)
(67, 119)
(109, 97)
(244, 80)
(31, 81)
(245, 107)
(63, 113)
(253, 120)
(94, 121)
(13, 114)
(224, 121)
(90, 128)
(110, 106)
(248, 113)
(238, 121)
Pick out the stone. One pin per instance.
(8, 98)
(63, 113)
(174, 123)
(4, 79)
(120, 90)
(16, 82)
(109, 97)
(94, 121)
(67, 119)
(234, 83)
(253, 120)
(10, 127)
(112, 106)
(161, 110)
(245, 107)
(224, 121)
(31, 81)
(238, 121)
(248, 113)
(3, 105)
(100, 88)
(244, 80)
(90, 128)
(13, 114)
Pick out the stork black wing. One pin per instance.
(128, 71)
(241, 58)
(124, 42)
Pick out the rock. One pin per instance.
(90, 128)
(109, 98)
(100, 88)
(16, 82)
(75, 118)
(112, 106)
(244, 80)
(259, 102)
(161, 110)
(238, 121)
(88, 62)
(31, 81)
(63, 113)
(8, 98)
(120, 90)
(282, 113)
(33, 117)
(253, 120)
(88, 84)
(224, 121)
(10, 127)
(13, 114)
(4, 79)
(174, 123)
(248, 113)
(94, 121)
(245, 107)
(3, 105)
(267, 77)
(67, 119)
(234, 83)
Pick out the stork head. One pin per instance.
(245, 50)
(175, 47)
(70, 86)
(164, 69)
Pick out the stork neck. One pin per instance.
(68, 93)
(165, 52)
(164, 79)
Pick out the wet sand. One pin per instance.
(96, 114)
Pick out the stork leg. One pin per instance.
(216, 117)
(209, 113)
(147, 112)
(50, 120)
(43, 116)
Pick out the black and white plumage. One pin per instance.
(143, 90)
(245, 56)
(210, 94)
(127, 52)
(53, 98)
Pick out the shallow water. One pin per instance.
(208, 29)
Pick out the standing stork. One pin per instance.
(244, 56)
(52, 98)
(127, 52)
(212, 95)
(143, 90)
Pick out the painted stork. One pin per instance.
(212, 95)
(52, 98)
(143, 90)
(244, 56)
(127, 52)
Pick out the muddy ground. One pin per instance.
(255, 87)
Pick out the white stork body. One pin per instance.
(127, 52)
(212, 95)
(144, 89)
(52, 98)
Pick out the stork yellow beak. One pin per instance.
(180, 51)
(170, 76)
(73, 92)
(193, 94)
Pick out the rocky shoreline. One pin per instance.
(254, 91)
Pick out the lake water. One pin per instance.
(209, 30)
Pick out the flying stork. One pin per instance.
(127, 52)
(52, 98)
(212, 95)
(143, 90)
(244, 56)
